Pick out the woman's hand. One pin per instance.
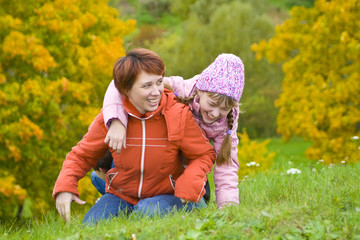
(116, 136)
(184, 201)
(63, 202)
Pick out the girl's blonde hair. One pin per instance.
(224, 153)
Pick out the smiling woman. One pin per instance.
(146, 92)
(159, 129)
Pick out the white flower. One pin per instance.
(321, 160)
(314, 169)
(290, 162)
(343, 162)
(355, 138)
(251, 164)
(331, 165)
(293, 171)
(257, 164)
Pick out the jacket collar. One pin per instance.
(131, 109)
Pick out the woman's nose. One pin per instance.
(155, 90)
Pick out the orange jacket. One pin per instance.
(150, 165)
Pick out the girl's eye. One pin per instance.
(212, 104)
(160, 82)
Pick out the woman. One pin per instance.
(148, 176)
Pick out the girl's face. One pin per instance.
(210, 109)
(146, 92)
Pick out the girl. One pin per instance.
(213, 97)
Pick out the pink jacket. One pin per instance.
(226, 176)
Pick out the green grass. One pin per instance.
(319, 203)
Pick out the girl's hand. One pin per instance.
(63, 202)
(116, 136)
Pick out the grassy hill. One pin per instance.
(321, 202)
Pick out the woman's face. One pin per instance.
(146, 92)
(210, 109)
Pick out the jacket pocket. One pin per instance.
(110, 177)
(172, 181)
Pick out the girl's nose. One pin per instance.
(215, 112)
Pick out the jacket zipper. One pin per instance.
(142, 157)
(142, 151)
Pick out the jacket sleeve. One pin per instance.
(200, 156)
(226, 177)
(113, 106)
(182, 87)
(82, 158)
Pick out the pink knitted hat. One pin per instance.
(225, 76)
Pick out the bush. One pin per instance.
(253, 156)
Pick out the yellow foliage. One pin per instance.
(253, 156)
(14, 152)
(30, 49)
(320, 49)
(57, 63)
(2, 78)
(87, 191)
(29, 129)
(11, 194)
(8, 22)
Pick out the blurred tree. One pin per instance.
(56, 61)
(320, 48)
(291, 3)
(222, 26)
(153, 18)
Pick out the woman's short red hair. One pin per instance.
(127, 68)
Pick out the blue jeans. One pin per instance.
(110, 206)
(98, 183)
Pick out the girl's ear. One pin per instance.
(200, 93)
